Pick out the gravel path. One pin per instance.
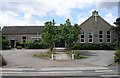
(61, 56)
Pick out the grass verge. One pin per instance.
(44, 55)
(77, 55)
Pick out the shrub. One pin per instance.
(19, 47)
(92, 47)
(31, 45)
(105, 47)
(44, 55)
(117, 57)
(2, 61)
(18, 44)
(77, 55)
(5, 44)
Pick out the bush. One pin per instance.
(18, 44)
(117, 57)
(36, 46)
(77, 55)
(92, 47)
(44, 55)
(19, 47)
(2, 61)
(5, 44)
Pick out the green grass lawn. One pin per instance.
(77, 55)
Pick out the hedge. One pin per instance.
(35, 46)
(92, 47)
(5, 44)
(117, 57)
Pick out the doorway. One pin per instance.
(61, 43)
(12, 43)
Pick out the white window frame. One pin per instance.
(108, 38)
(90, 38)
(82, 38)
(100, 38)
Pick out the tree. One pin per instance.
(69, 33)
(117, 30)
(49, 34)
(5, 44)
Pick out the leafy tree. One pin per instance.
(117, 30)
(69, 33)
(117, 57)
(5, 44)
(49, 34)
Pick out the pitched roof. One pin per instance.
(21, 29)
(99, 17)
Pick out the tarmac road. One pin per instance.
(99, 57)
(25, 58)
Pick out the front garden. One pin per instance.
(77, 54)
(46, 55)
(117, 57)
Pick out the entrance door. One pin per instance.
(12, 43)
(61, 43)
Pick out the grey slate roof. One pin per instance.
(21, 29)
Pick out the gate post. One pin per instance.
(72, 56)
(52, 57)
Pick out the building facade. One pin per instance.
(94, 30)
(21, 34)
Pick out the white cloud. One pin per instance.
(110, 18)
(41, 8)
(7, 20)
(81, 20)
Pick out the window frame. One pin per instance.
(102, 36)
(108, 38)
(90, 38)
(83, 33)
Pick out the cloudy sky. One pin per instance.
(36, 12)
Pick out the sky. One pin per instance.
(37, 12)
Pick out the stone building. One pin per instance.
(93, 30)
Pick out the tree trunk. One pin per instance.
(51, 47)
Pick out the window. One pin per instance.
(100, 40)
(108, 37)
(90, 37)
(100, 36)
(100, 32)
(108, 40)
(108, 32)
(82, 37)
(3, 37)
(24, 37)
